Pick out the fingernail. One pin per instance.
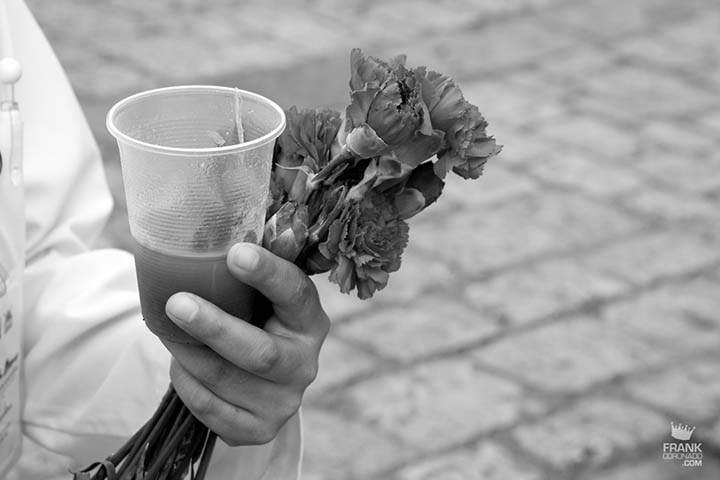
(244, 257)
(182, 308)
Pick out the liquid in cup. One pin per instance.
(189, 200)
(160, 276)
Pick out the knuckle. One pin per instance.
(213, 326)
(202, 405)
(308, 372)
(292, 405)
(259, 433)
(324, 322)
(233, 440)
(262, 433)
(266, 358)
(303, 292)
(216, 375)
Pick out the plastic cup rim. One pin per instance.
(225, 149)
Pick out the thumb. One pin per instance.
(293, 295)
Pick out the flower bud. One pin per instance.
(286, 232)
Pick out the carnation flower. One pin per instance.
(304, 148)
(467, 145)
(386, 106)
(365, 245)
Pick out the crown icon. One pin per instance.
(681, 432)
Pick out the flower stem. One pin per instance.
(170, 444)
(207, 453)
(155, 428)
(342, 156)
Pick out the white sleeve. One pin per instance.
(93, 373)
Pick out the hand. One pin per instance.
(244, 383)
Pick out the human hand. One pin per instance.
(244, 383)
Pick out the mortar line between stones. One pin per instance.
(560, 402)
(559, 317)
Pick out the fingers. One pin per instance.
(234, 424)
(273, 357)
(294, 296)
(227, 381)
(237, 387)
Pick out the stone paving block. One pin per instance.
(486, 461)
(495, 186)
(504, 45)
(711, 121)
(520, 228)
(591, 432)
(593, 136)
(339, 448)
(671, 325)
(578, 170)
(652, 329)
(474, 242)
(201, 57)
(435, 405)
(638, 93)
(682, 169)
(568, 72)
(569, 356)
(512, 105)
(338, 363)
(76, 59)
(684, 139)
(496, 98)
(689, 390)
(664, 50)
(658, 469)
(523, 150)
(393, 17)
(650, 257)
(419, 272)
(664, 207)
(698, 32)
(295, 26)
(527, 294)
(92, 22)
(426, 326)
(595, 18)
(108, 81)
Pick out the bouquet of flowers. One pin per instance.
(342, 189)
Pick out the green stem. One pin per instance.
(169, 446)
(155, 428)
(207, 453)
(343, 156)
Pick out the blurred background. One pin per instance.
(551, 319)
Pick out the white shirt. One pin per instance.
(92, 372)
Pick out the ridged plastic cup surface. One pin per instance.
(189, 200)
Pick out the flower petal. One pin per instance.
(366, 70)
(363, 142)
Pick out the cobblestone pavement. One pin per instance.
(550, 320)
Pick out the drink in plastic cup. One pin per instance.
(193, 191)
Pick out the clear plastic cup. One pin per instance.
(193, 191)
